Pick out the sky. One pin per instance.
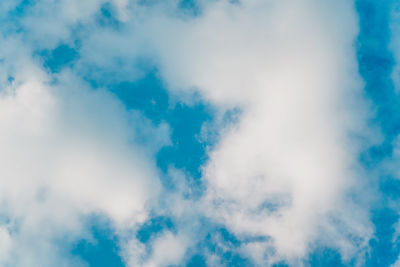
(199, 133)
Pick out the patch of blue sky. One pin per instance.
(154, 226)
(107, 17)
(193, 8)
(10, 22)
(60, 57)
(190, 7)
(382, 250)
(326, 257)
(321, 256)
(100, 247)
(376, 63)
(197, 260)
(149, 96)
(21, 7)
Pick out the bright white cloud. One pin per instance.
(287, 170)
(67, 152)
(167, 249)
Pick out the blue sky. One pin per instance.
(199, 133)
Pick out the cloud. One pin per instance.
(285, 176)
(167, 249)
(68, 151)
(288, 170)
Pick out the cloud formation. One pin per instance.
(284, 178)
(67, 152)
(286, 170)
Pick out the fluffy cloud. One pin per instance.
(286, 170)
(167, 249)
(286, 175)
(68, 151)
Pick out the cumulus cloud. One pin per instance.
(68, 151)
(286, 175)
(286, 169)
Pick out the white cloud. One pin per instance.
(168, 249)
(67, 152)
(291, 67)
(287, 170)
(5, 243)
